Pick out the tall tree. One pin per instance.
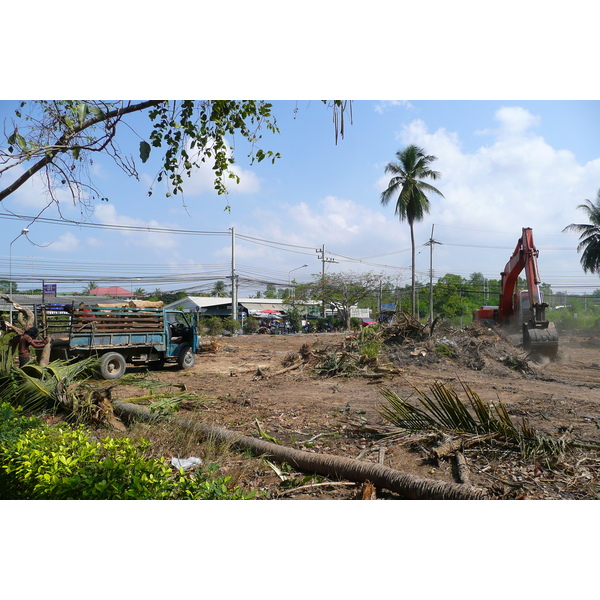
(342, 291)
(409, 191)
(589, 244)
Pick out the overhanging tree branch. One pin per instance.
(62, 144)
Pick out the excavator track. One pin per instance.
(542, 340)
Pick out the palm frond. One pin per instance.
(37, 388)
(443, 410)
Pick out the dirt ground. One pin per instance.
(243, 385)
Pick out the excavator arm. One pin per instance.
(525, 309)
(524, 258)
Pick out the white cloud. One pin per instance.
(202, 180)
(107, 213)
(65, 243)
(347, 227)
(516, 180)
(383, 105)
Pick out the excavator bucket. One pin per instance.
(541, 339)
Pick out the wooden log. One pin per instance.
(45, 355)
(462, 469)
(27, 317)
(146, 304)
(453, 445)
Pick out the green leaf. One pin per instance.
(144, 151)
(97, 112)
(83, 110)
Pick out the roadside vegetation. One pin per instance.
(67, 460)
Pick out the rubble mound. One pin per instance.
(476, 347)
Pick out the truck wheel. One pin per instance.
(112, 365)
(186, 358)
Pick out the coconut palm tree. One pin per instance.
(590, 236)
(92, 285)
(408, 189)
(219, 289)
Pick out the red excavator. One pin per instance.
(523, 308)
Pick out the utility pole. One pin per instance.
(430, 243)
(234, 300)
(324, 260)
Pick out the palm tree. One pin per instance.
(92, 285)
(407, 187)
(219, 289)
(590, 236)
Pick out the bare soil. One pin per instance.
(243, 385)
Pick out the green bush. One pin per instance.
(355, 323)
(61, 463)
(369, 342)
(213, 325)
(251, 325)
(231, 325)
(295, 319)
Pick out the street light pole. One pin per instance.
(24, 231)
(290, 273)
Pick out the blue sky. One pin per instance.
(504, 165)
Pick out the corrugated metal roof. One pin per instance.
(261, 306)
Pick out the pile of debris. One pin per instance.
(357, 355)
(475, 347)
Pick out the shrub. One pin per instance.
(355, 323)
(231, 325)
(251, 325)
(369, 342)
(295, 319)
(213, 325)
(61, 463)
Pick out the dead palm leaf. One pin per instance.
(443, 410)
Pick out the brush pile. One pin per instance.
(475, 347)
(357, 355)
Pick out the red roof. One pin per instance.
(115, 291)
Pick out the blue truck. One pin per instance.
(121, 335)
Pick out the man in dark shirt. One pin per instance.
(26, 340)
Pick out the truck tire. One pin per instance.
(186, 358)
(112, 365)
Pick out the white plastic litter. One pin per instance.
(186, 463)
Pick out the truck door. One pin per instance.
(178, 331)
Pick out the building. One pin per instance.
(221, 307)
(113, 291)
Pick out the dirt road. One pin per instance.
(244, 384)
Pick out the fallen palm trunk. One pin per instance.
(409, 486)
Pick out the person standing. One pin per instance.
(27, 340)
